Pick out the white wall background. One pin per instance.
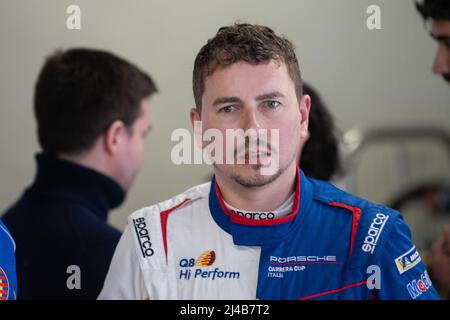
(368, 78)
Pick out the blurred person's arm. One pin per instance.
(440, 262)
(8, 281)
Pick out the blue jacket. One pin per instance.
(8, 281)
(350, 243)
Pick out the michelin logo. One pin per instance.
(408, 260)
(376, 227)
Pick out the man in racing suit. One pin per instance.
(248, 234)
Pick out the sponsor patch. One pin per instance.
(374, 232)
(279, 266)
(256, 215)
(206, 259)
(417, 287)
(408, 260)
(143, 235)
(200, 268)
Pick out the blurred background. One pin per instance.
(375, 82)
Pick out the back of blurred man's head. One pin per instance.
(320, 158)
(436, 13)
(91, 105)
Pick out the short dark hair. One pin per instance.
(320, 158)
(80, 92)
(434, 9)
(254, 44)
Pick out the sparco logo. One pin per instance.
(376, 227)
(143, 237)
(257, 215)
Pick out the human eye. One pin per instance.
(446, 43)
(272, 104)
(444, 40)
(227, 109)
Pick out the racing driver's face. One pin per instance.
(246, 96)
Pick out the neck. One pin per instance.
(265, 198)
(89, 160)
(74, 181)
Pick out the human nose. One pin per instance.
(441, 63)
(250, 120)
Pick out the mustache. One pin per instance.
(243, 148)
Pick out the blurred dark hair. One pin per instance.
(320, 156)
(80, 92)
(434, 9)
(254, 44)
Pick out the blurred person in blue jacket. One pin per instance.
(8, 281)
